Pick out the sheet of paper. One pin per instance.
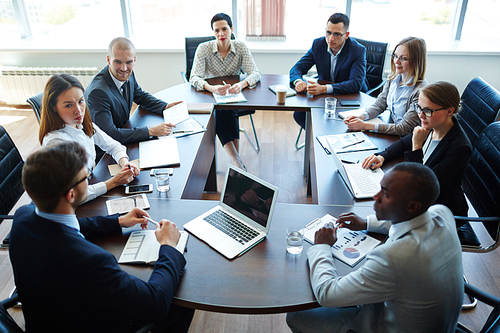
(349, 142)
(229, 98)
(176, 113)
(187, 127)
(126, 204)
(115, 168)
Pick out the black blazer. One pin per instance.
(350, 71)
(110, 111)
(448, 161)
(68, 284)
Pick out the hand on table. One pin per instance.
(355, 123)
(161, 129)
(167, 233)
(351, 221)
(326, 235)
(315, 88)
(301, 86)
(135, 216)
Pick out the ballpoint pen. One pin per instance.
(151, 220)
(179, 132)
(352, 144)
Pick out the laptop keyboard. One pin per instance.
(363, 180)
(231, 226)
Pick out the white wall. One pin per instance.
(157, 70)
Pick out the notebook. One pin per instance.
(159, 153)
(247, 202)
(289, 91)
(363, 183)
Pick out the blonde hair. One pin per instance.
(49, 119)
(418, 59)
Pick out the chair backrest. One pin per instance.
(190, 50)
(191, 46)
(11, 166)
(375, 60)
(480, 107)
(481, 181)
(36, 104)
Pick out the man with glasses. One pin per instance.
(338, 59)
(68, 284)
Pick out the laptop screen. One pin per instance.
(248, 196)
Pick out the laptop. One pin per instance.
(242, 218)
(363, 183)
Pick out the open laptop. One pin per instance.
(363, 183)
(242, 218)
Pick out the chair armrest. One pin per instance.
(380, 85)
(183, 74)
(478, 219)
(481, 295)
(11, 301)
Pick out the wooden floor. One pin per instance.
(278, 163)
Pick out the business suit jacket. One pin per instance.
(410, 119)
(110, 111)
(350, 71)
(448, 161)
(68, 284)
(411, 283)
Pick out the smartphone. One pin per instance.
(133, 189)
(169, 170)
(350, 103)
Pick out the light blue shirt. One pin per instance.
(68, 220)
(398, 97)
(333, 61)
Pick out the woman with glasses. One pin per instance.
(439, 142)
(400, 92)
(65, 117)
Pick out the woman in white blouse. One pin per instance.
(65, 117)
(224, 57)
(400, 92)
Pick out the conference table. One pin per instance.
(265, 279)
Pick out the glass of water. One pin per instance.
(162, 180)
(294, 240)
(331, 108)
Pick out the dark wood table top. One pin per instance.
(266, 279)
(258, 98)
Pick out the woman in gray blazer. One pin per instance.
(400, 92)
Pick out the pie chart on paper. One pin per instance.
(351, 253)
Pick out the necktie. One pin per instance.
(125, 91)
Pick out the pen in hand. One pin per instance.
(352, 144)
(151, 220)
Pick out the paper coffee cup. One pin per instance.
(281, 93)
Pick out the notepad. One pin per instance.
(229, 98)
(124, 205)
(351, 246)
(176, 114)
(143, 248)
(115, 168)
(349, 142)
(159, 153)
(289, 91)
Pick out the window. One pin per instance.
(481, 20)
(392, 20)
(168, 22)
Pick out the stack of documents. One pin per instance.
(346, 142)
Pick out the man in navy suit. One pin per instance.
(338, 59)
(68, 284)
(110, 95)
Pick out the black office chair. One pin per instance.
(480, 107)
(481, 184)
(36, 105)
(190, 50)
(11, 186)
(492, 324)
(8, 325)
(375, 60)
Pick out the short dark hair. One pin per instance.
(423, 185)
(220, 17)
(340, 18)
(49, 172)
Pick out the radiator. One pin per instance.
(19, 83)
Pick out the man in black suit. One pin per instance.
(110, 95)
(68, 284)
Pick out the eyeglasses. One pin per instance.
(426, 111)
(89, 174)
(335, 34)
(401, 58)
